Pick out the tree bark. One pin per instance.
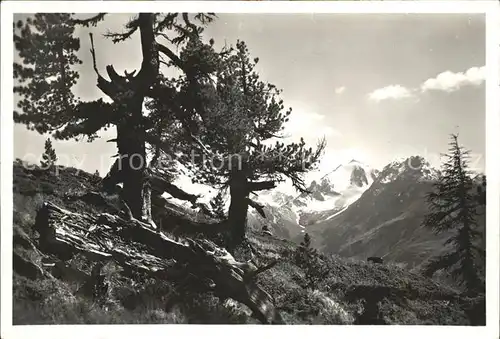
(131, 132)
(132, 158)
(238, 209)
(128, 93)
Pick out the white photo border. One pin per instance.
(492, 11)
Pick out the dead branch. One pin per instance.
(92, 51)
(258, 207)
(261, 185)
(104, 85)
(112, 238)
(159, 186)
(171, 55)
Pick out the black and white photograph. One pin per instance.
(196, 167)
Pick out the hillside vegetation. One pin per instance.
(351, 291)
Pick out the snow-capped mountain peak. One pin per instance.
(331, 193)
(352, 174)
(328, 193)
(415, 167)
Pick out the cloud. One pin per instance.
(446, 82)
(390, 92)
(340, 90)
(449, 81)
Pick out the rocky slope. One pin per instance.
(48, 287)
(386, 220)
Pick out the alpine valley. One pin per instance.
(355, 211)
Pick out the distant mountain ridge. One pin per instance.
(354, 210)
(330, 193)
(344, 183)
(386, 221)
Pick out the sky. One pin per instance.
(379, 87)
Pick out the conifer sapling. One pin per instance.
(49, 157)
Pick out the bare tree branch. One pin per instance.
(171, 55)
(258, 207)
(92, 51)
(261, 185)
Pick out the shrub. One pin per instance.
(313, 307)
(315, 268)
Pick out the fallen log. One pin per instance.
(132, 244)
(171, 218)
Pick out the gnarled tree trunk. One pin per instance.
(132, 158)
(128, 93)
(238, 209)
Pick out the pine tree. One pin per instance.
(239, 153)
(306, 243)
(452, 207)
(49, 157)
(217, 205)
(304, 251)
(308, 258)
(48, 104)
